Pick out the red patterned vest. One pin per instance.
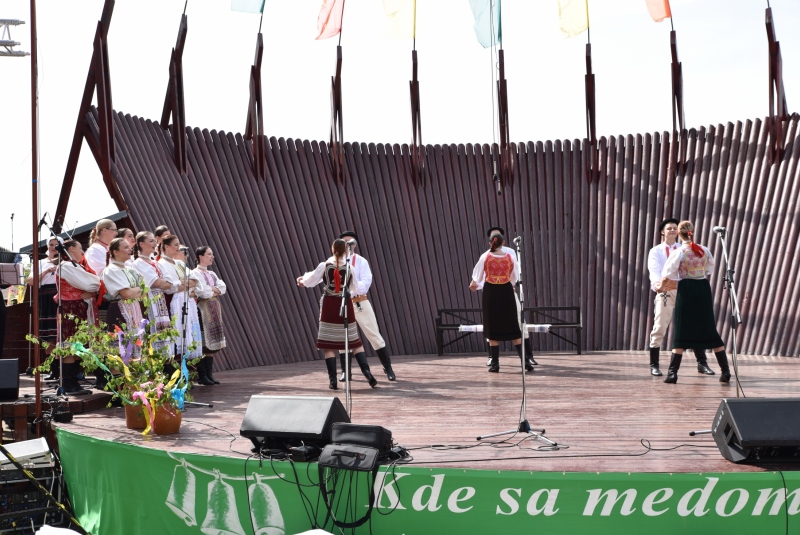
(498, 269)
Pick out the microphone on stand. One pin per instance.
(496, 178)
(184, 248)
(351, 243)
(517, 240)
(719, 230)
(42, 221)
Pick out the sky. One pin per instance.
(721, 43)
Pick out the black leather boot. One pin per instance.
(331, 365)
(386, 361)
(725, 371)
(202, 375)
(494, 351)
(100, 379)
(342, 362)
(529, 353)
(210, 369)
(71, 384)
(55, 371)
(528, 364)
(674, 365)
(702, 363)
(361, 358)
(655, 352)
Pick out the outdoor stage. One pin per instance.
(601, 405)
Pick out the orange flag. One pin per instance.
(659, 9)
(329, 22)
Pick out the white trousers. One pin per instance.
(365, 318)
(664, 306)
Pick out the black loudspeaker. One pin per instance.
(373, 436)
(758, 430)
(281, 422)
(9, 380)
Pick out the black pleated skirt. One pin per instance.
(500, 320)
(694, 322)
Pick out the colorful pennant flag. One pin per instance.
(659, 9)
(329, 22)
(401, 15)
(248, 6)
(573, 16)
(488, 28)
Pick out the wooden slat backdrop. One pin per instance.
(585, 243)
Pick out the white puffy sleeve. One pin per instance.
(364, 276)
(312, 278)
(96, 258)
(673, 264)
(515, 271)
(115, 280)
(478, 273)
(80, 278)
(710, 263)
(170, 275)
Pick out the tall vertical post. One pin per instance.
(35, 209)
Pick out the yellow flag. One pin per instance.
(659, 9)
(573, 16)
(400, 15)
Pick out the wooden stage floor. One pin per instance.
(601, 405)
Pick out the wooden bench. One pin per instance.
(559, 319)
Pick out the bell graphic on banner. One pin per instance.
(222, 517)
(264, 509)
(181, 494)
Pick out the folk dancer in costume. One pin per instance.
(130, 238)
(529, 360)
(331, 337)
(123, 294)
(175, 270)
(695, 325)
(211, 326)
(365, 315)
(160, 232)
(499, 271)
(665, 296)
(78, 292)
(158, 313)
(48, 308)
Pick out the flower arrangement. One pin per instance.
(133, 360)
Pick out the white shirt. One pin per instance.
(479, 273)
(361, 273)
(50, 278)
(673, 266)
(312, 278)
(117, 276)
(656, 259)
(79, 278)
(509, 250)
(171, 274)
(210, 281)
(96, 257)
(150, 274)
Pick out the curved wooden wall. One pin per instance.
(585, 242)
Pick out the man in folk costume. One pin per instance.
(665, 296)
(530, 362)
(364, 314)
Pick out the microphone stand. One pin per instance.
(343, 314)
(736, 316)
(524, 427)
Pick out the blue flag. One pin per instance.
(487, 21)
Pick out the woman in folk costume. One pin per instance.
(78, 286)
(208, 304)
(693, 321)
(48, 308)
(123, 293)
(499, 271)
(331, 338)
(175, 271)
(158, 314)
(103, 232)
(130, 237)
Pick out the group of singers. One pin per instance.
(104, 284)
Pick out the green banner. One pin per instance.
(119, 489)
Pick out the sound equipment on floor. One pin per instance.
(9, 380)
(373, 436)
(283, 422)
(758, 430)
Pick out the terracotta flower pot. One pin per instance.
(134, 417)
(168, 420)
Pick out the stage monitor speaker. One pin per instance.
(9, 380)
(758, 430)
(280, 422)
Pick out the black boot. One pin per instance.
(655, 352)
(702, 363)
(529, 353)
(674, 365)
(331, 365)
(210, 369)
(100, 379)
(71, 384)
(494, 351)
(202, 375)
(383, 356)
(169, 369)
(528, 364)
(343, 363)
(55, 371)
(725, 371)
(361, 358)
